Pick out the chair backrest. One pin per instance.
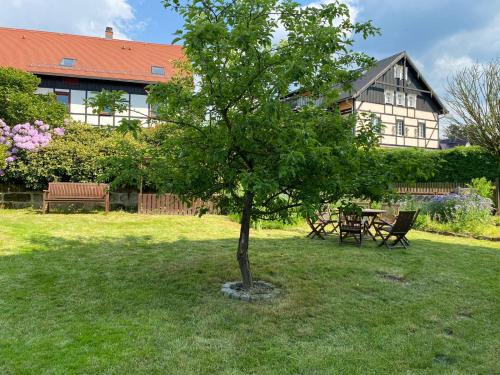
(391, 212)
(363, 204)
(404, 222)
(77, 190)
(350, 220)
(415, 217)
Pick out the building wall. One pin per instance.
(80, 89)
(388, 115)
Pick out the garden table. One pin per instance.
(371, 215)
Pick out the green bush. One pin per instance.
(3, 155)
(19, 103)
(460, 164)
(76, 157)
(482, 187)
(465, 212)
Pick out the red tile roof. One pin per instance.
(41, 52)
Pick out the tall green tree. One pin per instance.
(473, 95)
(233, 137)
(474, 100)
(19, 102)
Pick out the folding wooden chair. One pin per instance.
(351, 225)
(404, 222)
(389, 217)
(319, 226)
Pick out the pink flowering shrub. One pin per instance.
(25, 138)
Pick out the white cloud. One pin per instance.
(86, 17)
(460, 50)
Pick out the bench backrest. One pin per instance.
(77, 190)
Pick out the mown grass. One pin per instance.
(131, 294)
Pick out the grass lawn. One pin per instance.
(125, 293)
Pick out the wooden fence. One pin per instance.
(169, 204)
(429, 188)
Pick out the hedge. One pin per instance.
(92, 154)
(460, 164)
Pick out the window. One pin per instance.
(153, 110)
(398, 71)
(107, 112)
(421, 130)
(400, 127)
(412, 100)
(376, 123)
(158, 70)
(63, 98)
(400, 98)
(389, 97)
(68, 62)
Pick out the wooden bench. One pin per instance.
(75, 192)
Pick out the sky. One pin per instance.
(441, 36)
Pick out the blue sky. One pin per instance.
(440, 35)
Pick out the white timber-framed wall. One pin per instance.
(74, 92)
(411, 117)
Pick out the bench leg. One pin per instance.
(45, 208)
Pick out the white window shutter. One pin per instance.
(393, 130)
(406, 72)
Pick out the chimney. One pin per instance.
(109, 33)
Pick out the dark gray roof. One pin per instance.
(371, 75)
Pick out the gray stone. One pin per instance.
(233, 290)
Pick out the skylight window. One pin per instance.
(158, 70)
(68, 62)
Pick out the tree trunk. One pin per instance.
(242, 254)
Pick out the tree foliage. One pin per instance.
(19, 104)
(473, 97)
(234, 140)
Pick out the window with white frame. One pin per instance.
(376, 123)
(412, 100)
(389, 97)
(158, 70)
(400, 127)
(421, 130)
(400, 98)
(398, 71)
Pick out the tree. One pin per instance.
(20, 104)
(457, 133)
(474, 98)
(233, 139)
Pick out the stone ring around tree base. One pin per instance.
(261, 291)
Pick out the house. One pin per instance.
(75, 67)
(394, 94)
(446, 144)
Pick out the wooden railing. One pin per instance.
(169, 204)
(429, 188)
